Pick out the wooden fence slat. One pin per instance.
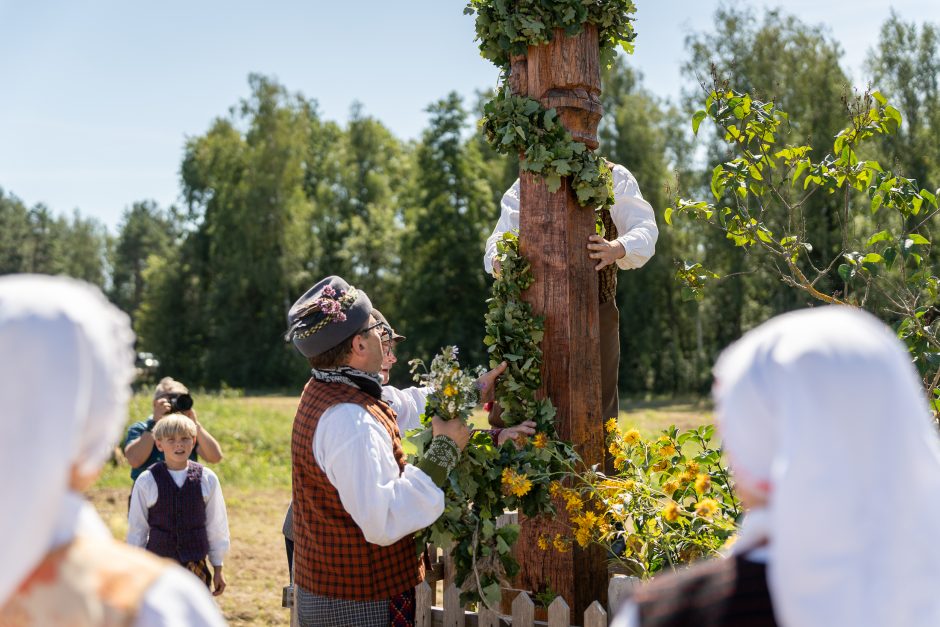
(448, 567)
(619, 591)
(454, 614)
(559, 614)
(595, 616)
(489, 618)
(523, 611)
(424, 599)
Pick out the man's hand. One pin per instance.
(456, 430)
(523, 429)
(604, 251)
(497, 267)
(487, 383)
(161, 407)
(218, 581)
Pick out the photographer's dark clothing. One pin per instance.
(135, 431)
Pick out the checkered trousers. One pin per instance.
(332, 557)
(320, 611)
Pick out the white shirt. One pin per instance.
(631, 214)
(355, 452)
(144, 496)
(408, 405)
(176, 598)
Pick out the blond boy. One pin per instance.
(177, 510)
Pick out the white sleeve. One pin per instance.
(627, 616)
(143, 496)
(635, 221)
(355, 452)
(508, 221)
(216, 517)
(408, 405)
(177, 598)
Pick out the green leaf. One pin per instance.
(697, 118)
(667, 215)
(718, 184)
(917, 240)
(872, 258)
(880, 236)
(846, 272)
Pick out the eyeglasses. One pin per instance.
(384, 330)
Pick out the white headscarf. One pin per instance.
(66, 364)
(824, 407)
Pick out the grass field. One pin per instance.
(255, 436)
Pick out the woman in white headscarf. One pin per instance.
(66, 365)
(826, 427)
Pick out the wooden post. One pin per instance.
(554, 230)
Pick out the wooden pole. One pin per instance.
(553, 235)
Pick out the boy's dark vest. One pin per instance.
(607, 276)
(178, 518)
(332, 557)
(729, 592)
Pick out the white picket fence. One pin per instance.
(448, 612)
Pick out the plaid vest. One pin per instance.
(729, 592)
(331, 556)
(178, 518)
(607, 276)
(88, 582)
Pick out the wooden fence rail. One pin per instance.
(450, 613)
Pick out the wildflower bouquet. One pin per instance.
(454, 393)
(669, 502)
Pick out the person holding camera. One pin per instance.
(170, 397)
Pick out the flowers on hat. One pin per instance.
(328, 308)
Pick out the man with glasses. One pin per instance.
(356, 501)
(139, 448)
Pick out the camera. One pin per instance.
(180, 403)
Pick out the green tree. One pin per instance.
(448, 216)
(657, 352)
(797, 66)
(145, 230)
(246, 190)
(905, 66)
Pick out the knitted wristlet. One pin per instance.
(440, 458)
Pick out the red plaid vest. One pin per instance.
(331, 556)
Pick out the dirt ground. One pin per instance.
(256, 566)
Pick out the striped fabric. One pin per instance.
(332, 557)
(728, 592)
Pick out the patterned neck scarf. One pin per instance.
(368, 382)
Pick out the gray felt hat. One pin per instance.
(328, 313)
(396, 336)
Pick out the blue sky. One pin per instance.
(97, 98)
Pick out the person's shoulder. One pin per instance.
(621, 173)
(209, 474)
(139, 427)
(685, 583)
(178, 598)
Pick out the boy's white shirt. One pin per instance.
(632, 215)
(145, 494)
(355, 452)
